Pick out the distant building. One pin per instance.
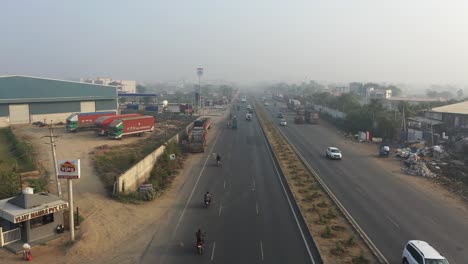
(124, 86)
(357, 88)
(393, 102)
(375, 93)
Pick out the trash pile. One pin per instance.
(415, 159)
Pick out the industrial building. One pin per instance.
(25, 99)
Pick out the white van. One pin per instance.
(420, 252)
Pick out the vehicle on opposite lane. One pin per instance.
(333, 153)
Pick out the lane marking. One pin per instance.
(224, 186)
(393, 222)
(220, 208)
(195, 186)
(261, 249)
(287, 198)
(213, 251)
(359, 190)
(256, 206)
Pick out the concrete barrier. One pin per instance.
(140, 172)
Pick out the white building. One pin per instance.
(124, 86)
(373, 93)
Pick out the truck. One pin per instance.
(312, 117)
(197, 139)
(203, 122)
(299, 119)
(244, 100)
(84, 121)
(103, 122)
(234, 122)
(136, 125)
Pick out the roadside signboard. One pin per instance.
(69, 169)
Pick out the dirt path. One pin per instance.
(112, 232)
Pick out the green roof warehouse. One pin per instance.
(25, 99)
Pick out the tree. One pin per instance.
(395, 90)
(140, 88)
(9, 184)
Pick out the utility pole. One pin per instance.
(52, 137)
(199, 73)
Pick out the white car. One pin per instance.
(333, 153)
(266, 103)
(283, 122)
(420, 252)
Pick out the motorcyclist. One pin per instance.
(218, 159)
(208, 197)
(200, 236)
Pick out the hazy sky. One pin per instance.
(238, 40)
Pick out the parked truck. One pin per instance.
(83, 121)
(203, 122)
(197, 139)
(103, 122)
(136, 125)
(312, 117)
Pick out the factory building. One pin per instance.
(25, 99)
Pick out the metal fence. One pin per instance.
(10, 236)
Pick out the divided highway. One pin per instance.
(250, 219)
(390, 211)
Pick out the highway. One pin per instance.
(250, 219)
(388, 210)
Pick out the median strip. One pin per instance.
(335, 235)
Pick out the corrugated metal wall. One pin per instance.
(53, 108)
(106, 105)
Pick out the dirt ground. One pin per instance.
(111, 230)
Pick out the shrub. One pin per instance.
(351, 241)
(9, 184)
(361, 259)
(327, 232)
(39, 185)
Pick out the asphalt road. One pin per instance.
(388, 210)
(250, 219)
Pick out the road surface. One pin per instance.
(388, 210)
(250, 219)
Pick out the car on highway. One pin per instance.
(283, 122)
(333, 153)
(420, 252)
(280, 115)
(266, 104)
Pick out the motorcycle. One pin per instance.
(207, 203)
(200, 247)
(218, 163)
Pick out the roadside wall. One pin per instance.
(140, 172)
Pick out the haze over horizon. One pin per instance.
(242, 41)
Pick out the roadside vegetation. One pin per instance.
(110, 162)
(161, 176)
(334, 236)
(16, 157)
